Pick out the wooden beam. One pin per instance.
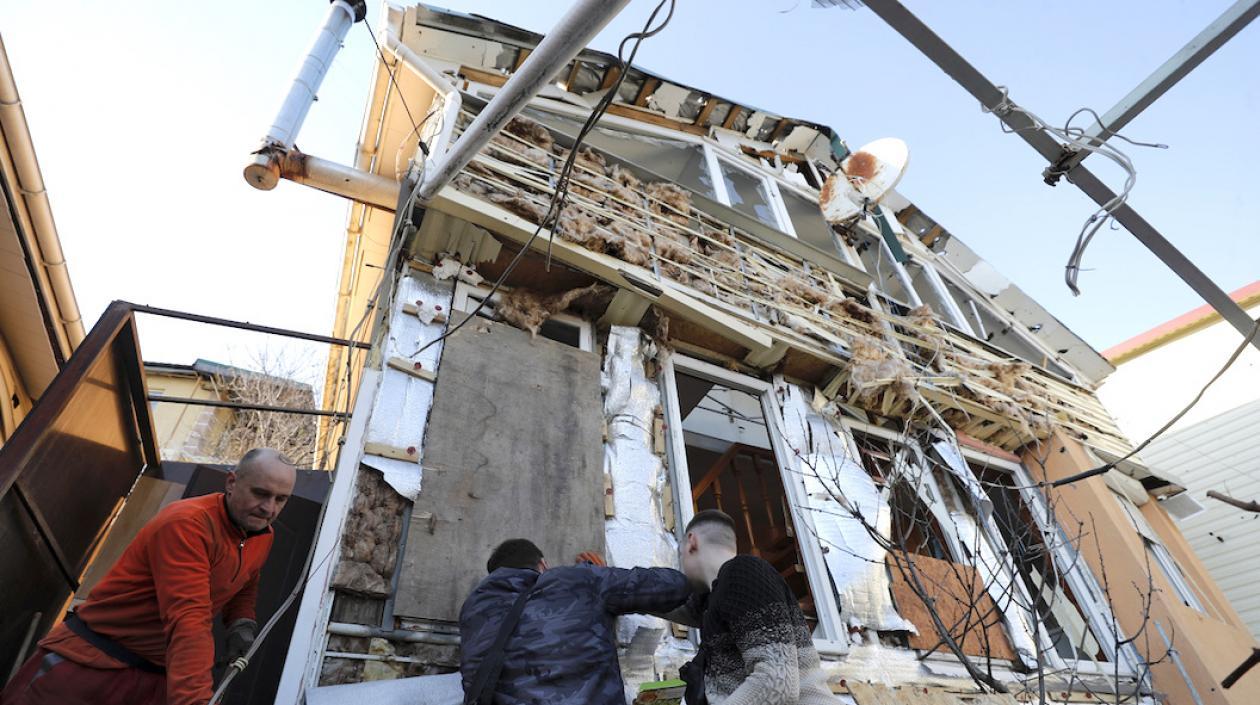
(732, 116)
(489, 78)
(646, 90)
(710, 102)
(611, 74)
(521, 56)
(779, 129)
(655, 118)
(573, 72)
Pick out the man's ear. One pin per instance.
(693, 543)
(229, 482)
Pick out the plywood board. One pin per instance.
(514, 448)
(961, 602)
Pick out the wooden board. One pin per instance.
(954, 587)
(514, 449)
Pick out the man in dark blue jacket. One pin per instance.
(563, 650)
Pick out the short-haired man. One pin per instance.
(755, 646)
(562, 649)
(143, 636)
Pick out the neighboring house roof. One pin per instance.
(207, 368)
(39, 317)
(1179, 327)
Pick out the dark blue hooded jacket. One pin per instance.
(564, 649)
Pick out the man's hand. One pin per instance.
(592, 558)
(240, 637)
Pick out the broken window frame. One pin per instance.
(1074, 571)
(467, 296)
(833, 637)
(718, 159)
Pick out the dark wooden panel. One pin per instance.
(65, 472)
(514, 449)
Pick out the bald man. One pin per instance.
(143, 636)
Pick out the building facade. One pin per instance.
(882, 413)
(40, 324)
(1213, 447)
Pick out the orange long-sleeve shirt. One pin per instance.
(187, 564)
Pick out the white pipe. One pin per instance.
(452, 99)
(402, 635)
(31, 185)
(342, 14)
(570, 35)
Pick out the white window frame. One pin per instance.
(834, 639)
(1176, 577)
(1079, 577)
(467, 296)
(717, 160)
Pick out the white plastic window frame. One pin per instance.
(1176, 577)
(834, 639)
(1080, 579)
(717, 160)
(467, 296)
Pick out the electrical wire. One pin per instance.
(557, 205)
(239, 665)
(1077, 138)
(1171, 422)
(560, 196)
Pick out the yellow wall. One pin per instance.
(11, 390)
(1210, 645)
(181, 428)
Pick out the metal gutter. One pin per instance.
(37, 214)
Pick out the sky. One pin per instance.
(143, 114)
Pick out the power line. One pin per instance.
(1171, 422)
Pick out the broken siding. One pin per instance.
(654, 226)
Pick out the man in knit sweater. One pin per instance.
(755, 646)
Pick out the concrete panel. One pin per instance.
(514, 449)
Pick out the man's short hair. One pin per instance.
(515, 553)
(257, 456)
(713, 526)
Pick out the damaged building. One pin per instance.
(881, 412)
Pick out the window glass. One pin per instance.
(1181, 587)
(749, 194)
(680, 162)
(808, 222)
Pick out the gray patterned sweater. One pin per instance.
(758, 648)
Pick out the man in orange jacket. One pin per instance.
(143, 636)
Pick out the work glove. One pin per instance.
(591, 557)
(240, 636)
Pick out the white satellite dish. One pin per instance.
(863, 179)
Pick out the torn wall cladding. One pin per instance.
(654, 225)
(513, 449)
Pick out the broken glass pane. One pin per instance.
(749, 194)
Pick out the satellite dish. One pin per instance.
(863, 179)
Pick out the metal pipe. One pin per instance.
(245, 325)
(452, 100)
(570, 35)
(404, 635)
(223, 404)
(261, 172)
(47, 245)
(1204, 44)
(995, 100)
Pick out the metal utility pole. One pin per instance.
(1068, 164)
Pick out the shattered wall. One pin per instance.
(369, 546)
(641, 509)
